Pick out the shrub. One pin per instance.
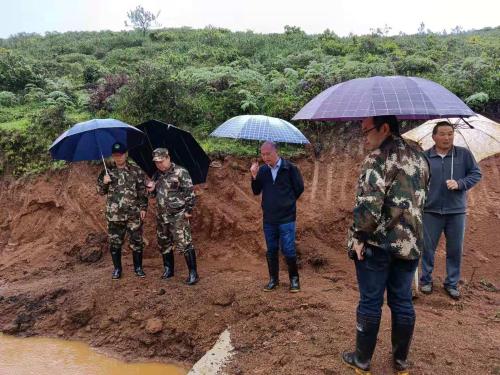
(8, 99)
(478, 100)
(99, 97)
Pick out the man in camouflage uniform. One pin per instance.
(175, 201)
(126, 205)
(386, 239)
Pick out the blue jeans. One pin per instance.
(383, 271)
(280, 236)
(453, 226)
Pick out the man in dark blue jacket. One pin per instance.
(281, 184)
(453, 172)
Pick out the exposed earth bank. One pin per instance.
(55, 277)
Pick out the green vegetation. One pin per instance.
(197, 79)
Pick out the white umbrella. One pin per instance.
(478, 133)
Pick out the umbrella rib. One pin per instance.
(489, 135)
(149, 140)
(191, 155)
(425, 135)
(476, 128)
(465, 140)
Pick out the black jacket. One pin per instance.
(279, 196)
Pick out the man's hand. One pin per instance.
(187, 215)
(106, 179)
(254, 169)
(358, 248)
(452, 184)
(143, 215)
(150, 186)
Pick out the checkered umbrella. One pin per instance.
(260, 128)
(408, 98)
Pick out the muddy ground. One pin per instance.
(55, 277)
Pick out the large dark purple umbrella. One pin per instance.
(408, 98)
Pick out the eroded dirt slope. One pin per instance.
(55, 277)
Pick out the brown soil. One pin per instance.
(55, 278)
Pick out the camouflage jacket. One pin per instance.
(390, 199)
(126, 193)
(174, 191)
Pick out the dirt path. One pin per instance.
(53, 283)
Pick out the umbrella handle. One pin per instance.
(452, 152)
(105, 168)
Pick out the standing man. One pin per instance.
(280, 183)
(175, 201)
(453, 172)
(126, 206)
(386, 239)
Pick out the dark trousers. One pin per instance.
(379, 272)
(453, 226)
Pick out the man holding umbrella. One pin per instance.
(127, 202)
(175, 199)
(386, 239)
(454, 171)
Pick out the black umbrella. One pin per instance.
(183, 149)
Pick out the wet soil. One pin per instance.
(55, 277)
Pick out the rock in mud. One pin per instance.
(154, 325)
(10, 329)
(82, 314)
(91, 250)
(90, 254)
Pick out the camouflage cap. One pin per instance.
(159, 154)
(118, 148)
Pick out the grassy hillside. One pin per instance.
(197, 79)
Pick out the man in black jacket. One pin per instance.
(281, 184)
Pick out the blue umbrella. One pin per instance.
(92, 140)
(260, 128)
(408, 98)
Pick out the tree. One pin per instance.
(421, 29)
(141, 19)
(457, 30)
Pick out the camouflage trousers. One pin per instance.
(173, 231)
(118, 229)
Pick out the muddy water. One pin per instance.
(44, 356)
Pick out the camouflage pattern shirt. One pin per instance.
(174, 191)
(390, 199)
(126, 193)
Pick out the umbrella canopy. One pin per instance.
(183, 149)
(92, 140)
(408, 98)
(482, 137)
(260, 128)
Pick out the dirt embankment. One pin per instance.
(55, 278)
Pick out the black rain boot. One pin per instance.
(168, 264)
(366, 339)
(137, 257)
(190, 257)
(401, 335)
(273, 264)
(116, 257)
(293, 274)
